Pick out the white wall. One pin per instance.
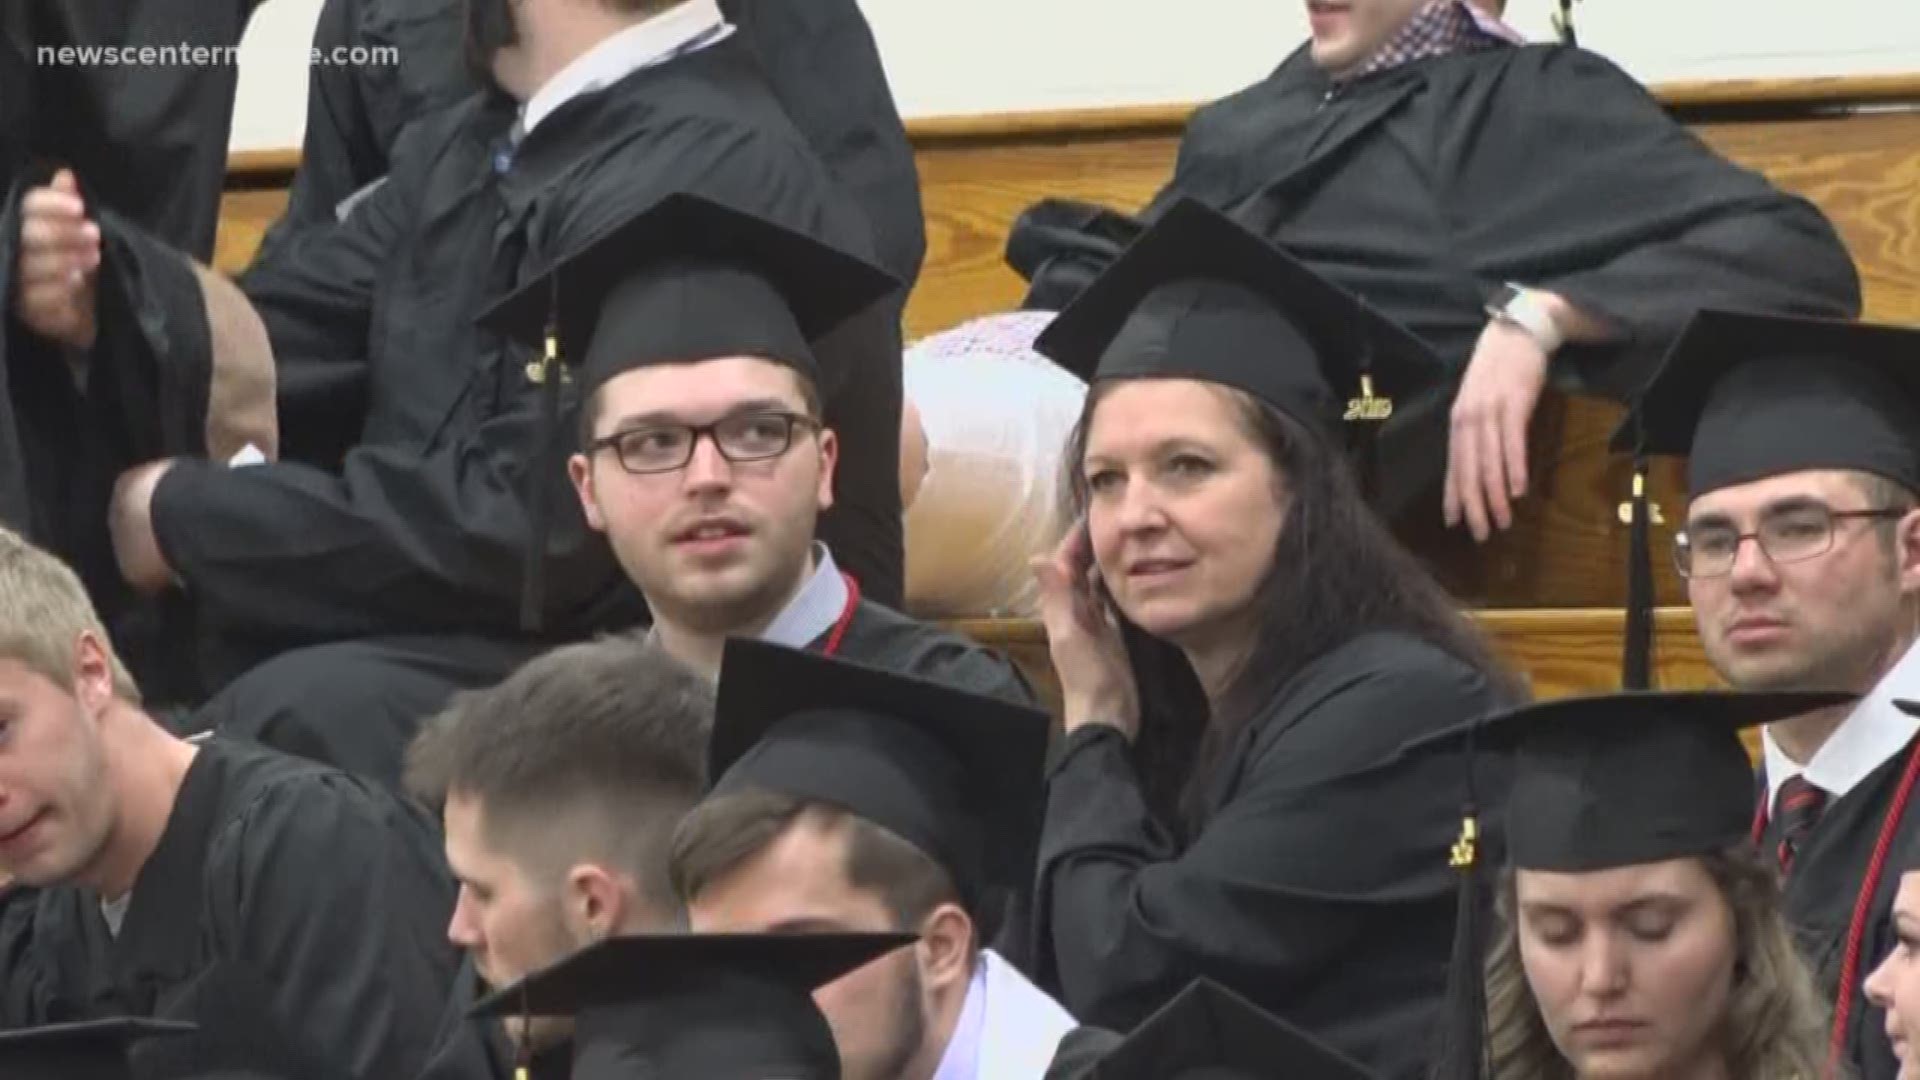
(949, 57)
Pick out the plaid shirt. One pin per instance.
(1440, 28)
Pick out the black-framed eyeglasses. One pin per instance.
(1786, 534)
(658, 448)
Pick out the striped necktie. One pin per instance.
(1796, 811)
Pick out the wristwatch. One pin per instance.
(1522, 307)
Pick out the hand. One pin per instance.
(1096, 680)
(1487, 450)
(59, 259)
(130, 520)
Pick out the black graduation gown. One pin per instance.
(1319, 886)
(881, 637)
(148, 138)
(1829, 871)
(308, 702)
(16, 88)
(408, 433)
(819, 56)
(1426, 187)
(296, 916)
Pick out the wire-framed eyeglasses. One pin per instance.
(1786, 534)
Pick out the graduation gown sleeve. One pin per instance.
(1585, 187)
(146, 394)
(824, 66)
(350, 952)
(384, 536)
(413, 63)
(1311, 863)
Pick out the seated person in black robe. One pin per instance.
(559, 789)
(1639, 933)
(861, 799)
(147, 139)
(377, 560)
(290, 911)
(704, 456)
(819, 55)
(1803, 437)
(1240, 643)
(1416, 156)
(823, 67)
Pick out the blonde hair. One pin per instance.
(1775, 1027)
(43, 611)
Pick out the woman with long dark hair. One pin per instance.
(1242, 647)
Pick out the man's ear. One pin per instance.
(829, 459)
(92, 671)
(597, 902)
(1906, 550)
(946, 947)
(580, 470)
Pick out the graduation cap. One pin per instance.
(1606, 781)
(1197, 296)
(1208, 1032)
(960, 776)
(1747, 396)
(91, 1050)
(687, 279)
(715, 1006)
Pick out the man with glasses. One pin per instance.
(703, 455)
(1801, 553)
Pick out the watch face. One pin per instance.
(1503, 298)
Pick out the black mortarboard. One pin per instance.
(1746, 396)
(715, 1006)
(1613, 780)
(690, 279)
(90, 1050)
(1197, 296)
(687, 279)
(960, 776)
(1208, 1032)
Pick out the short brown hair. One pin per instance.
(43, 611)
(722, 833)
(605, 739)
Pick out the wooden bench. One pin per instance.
(1549, 590)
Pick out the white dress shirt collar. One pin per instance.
(1870, 735)
(641, 45)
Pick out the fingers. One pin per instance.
(1466, 492)
(59, 253)
(1513, 437)
(1493, 474)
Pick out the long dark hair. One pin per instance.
(1337, 573)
